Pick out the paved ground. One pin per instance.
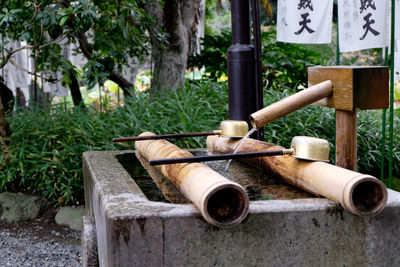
(38, 243)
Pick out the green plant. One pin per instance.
(286, 63)
(108, 33)
(214, 54)
(45, 151)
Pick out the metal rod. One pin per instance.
(383, 135)
(240, 22)
(221, 157)
(163, 136)
(257, 57)
(391, 96)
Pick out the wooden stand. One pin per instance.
(346, 139)
(354, 87)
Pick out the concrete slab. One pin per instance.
(89, 243)
(134, 231)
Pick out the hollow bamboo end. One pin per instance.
(225, 205)
(253, 122)
(365, 197)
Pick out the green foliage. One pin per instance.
(285, 63)
(367, 57)
(44, 155)
(214, 54)
(217, 16)
(108, 33)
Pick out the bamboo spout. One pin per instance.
(360, 194)
(222, 202)
(291, 103)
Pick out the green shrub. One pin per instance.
(44, 155)
(215, 47)
(286, 63)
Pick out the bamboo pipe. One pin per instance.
(358, 193)
(222, 202)
(290, 104)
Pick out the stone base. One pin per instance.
(15, 207)
(133, 231)
(89, 243)
(71, 217)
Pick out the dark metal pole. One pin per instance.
(244, 155)
(162, 136)
(255, 8)
(241, 76)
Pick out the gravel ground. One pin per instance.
(38, 243)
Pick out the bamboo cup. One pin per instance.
(222, 202)
(358, 193)
(291, 103)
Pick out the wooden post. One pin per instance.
(346, 139)
(354, 87)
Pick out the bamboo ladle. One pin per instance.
(228, 128)
(302, 147)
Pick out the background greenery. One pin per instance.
(44, 155)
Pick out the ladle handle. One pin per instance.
(221, 157)
(290, 104)
(164, 136)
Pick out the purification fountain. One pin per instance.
(136, 217)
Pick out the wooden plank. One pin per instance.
(346, 139)
(362, 87)
(342, 80)
(372, 88)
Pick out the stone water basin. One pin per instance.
(137, 224)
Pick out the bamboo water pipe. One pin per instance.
(290, 104)
(358, 193)
(222, 202)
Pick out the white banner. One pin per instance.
(363, 24)
(397, 20)
(304, 21)
(56, 89)
(16, 77)
(397, 62)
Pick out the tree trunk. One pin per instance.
(76, 92)
(21, 100)
(179, 19)
(7, 98)
(126, 86)
(4, 128)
